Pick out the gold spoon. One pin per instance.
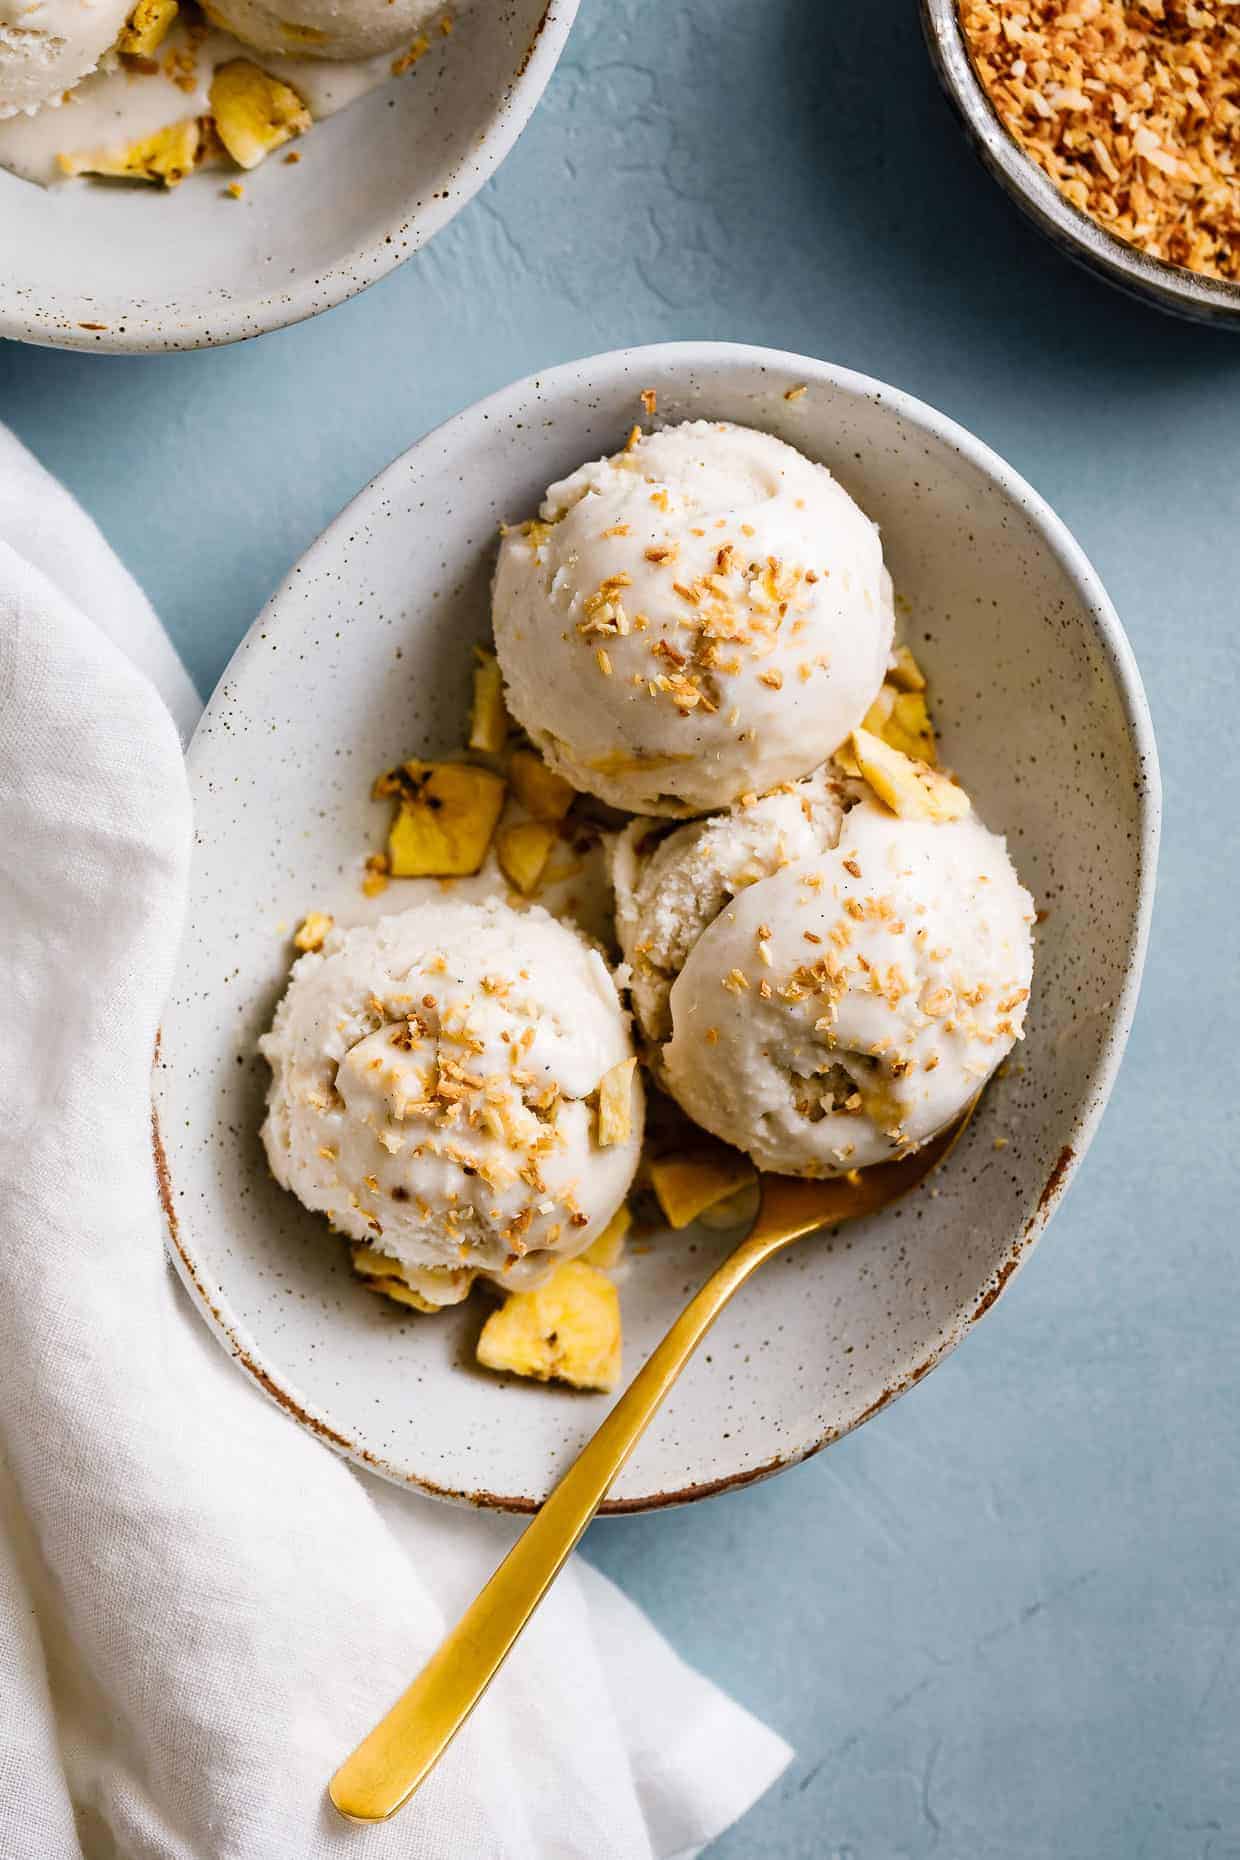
(404, 1747)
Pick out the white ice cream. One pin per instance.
(843, 1010)
(46, 46)
(433, 1091)
(56, 46)
(669, 885)
(119, 104)
(328, 28)
(702, 616)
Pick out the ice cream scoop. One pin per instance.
(699, 617)
(841, 1011)
(454, 1087)
(327, 28)
(671, 884)
(46, 46)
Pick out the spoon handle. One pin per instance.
(404, 1747)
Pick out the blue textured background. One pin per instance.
(1003, 1620)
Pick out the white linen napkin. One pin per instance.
(201, 1608)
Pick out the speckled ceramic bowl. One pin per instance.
(1171, 287)
(133, 269)
(363, 657)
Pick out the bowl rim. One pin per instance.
(1172, 287)
(238, 319)
(687, 356)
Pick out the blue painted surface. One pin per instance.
(1003, 1620)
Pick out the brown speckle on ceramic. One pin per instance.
(362, 658)
(98, 267)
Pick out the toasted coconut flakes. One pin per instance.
(935, 1001)
(421, 45)
(1132, 110)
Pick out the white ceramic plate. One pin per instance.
(133, 269)
(363, 657)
